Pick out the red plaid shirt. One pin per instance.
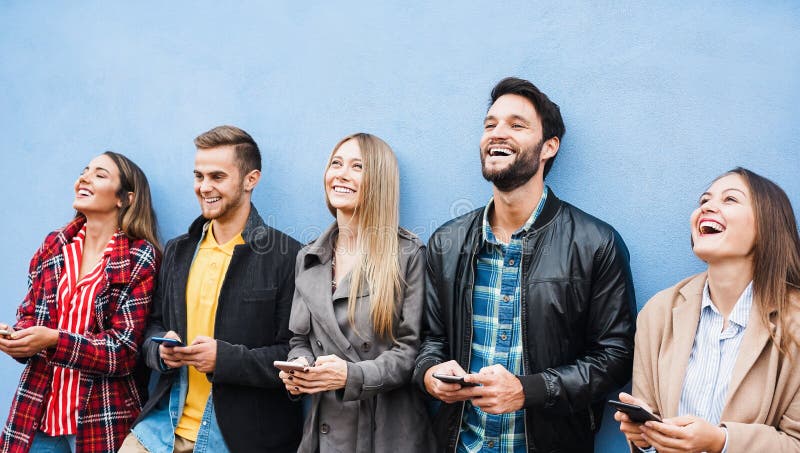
(105, 356)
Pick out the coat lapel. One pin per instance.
(685, 317)
(756, 337)
(314, 284)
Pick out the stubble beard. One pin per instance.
(520, 171)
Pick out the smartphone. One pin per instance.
(637, 414)
(289, 366)
(450, 379)
(167, 342)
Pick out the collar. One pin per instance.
(322, 247)
(254, 228)
(210, 242)
(741, 311)
(488, 234)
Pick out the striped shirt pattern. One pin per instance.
(713, 356)
(497, 336)
(75, 305)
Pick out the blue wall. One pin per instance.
(657, 99)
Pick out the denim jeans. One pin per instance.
(42, 443)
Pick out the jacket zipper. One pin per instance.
(523, 330)
(468, 345)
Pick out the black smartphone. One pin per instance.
(167, 342)
(450, 379)
(637, 414)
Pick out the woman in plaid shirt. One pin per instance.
(80, 325)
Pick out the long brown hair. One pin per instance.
(377, 242)
(136, 218)
(776, 255)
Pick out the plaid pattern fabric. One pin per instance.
(496, 336)
(106, 357)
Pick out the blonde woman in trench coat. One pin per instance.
(357, 313)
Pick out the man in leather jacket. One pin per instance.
(529, 297)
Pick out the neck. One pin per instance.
(348, 231)
(227, 227)
(726, 282)
(99, 229)
(512, 209)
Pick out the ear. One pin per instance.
(130, 200)
(251, 180)
(549, 148)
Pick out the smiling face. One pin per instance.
(219, 185)
(97, 186)
(723, 226)
(344, 176)
(512, 147)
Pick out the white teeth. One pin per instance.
(500, 152)
(84, 192)
(341, 189)
(710, 226)
(213, 199)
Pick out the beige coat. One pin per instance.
(762, 412)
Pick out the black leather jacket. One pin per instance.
(578, 311)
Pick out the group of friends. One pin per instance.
(505, 334)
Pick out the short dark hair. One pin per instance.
(548, 111)
(247, 154)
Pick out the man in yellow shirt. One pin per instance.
(225, 290)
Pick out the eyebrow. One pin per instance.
(513, 117)
(342, 158)
(723, 191)
(96, 168)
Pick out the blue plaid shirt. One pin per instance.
(496, 336)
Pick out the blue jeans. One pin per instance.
(42, 443)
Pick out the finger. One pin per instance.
(657, 437)
(666, 429)
(683, 420)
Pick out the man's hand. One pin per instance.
(447, 392)
(500, 391)
(328, 373)
(631, 429)
(168, 354)
(684, 434)
(28, 342)
(201, 354)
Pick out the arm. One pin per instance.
(155, 324)
(26, 313)
(433, 349)
(393, 367)
(606, 363)
(112, 352)
(240, 365)
(300, 324)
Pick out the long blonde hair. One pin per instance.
(377, 242)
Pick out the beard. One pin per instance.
(520, 171)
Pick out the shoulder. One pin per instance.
(408, 240)
(144, 251)
(586, 222)
(455, 229)
(268, 240)
(659, 307)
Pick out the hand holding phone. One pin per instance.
(288, 367)
(167, 342)
(637, 414)
(450, 379)
(6, 330)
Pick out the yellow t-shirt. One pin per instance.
(202, 292)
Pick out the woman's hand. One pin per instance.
(328, 373)
(288, 378)
(684, 434)
(28, 342)
(631, 429)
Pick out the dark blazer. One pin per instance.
(253, 410)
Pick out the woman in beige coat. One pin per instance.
(717, 354)
(357, 312)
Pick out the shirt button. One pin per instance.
(510, 263)
(506, 298)
(205, 422)
(490, 444)
(324, 428)
(503, 336)
(319, 343)
(366, 346)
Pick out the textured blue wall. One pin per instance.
(657, 99)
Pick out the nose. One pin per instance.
(500, 131)
(709, 206)
(205, 186)
(342, 173)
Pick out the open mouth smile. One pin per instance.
(708, 226)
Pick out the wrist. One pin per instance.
(52, 338)
(720, 439)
